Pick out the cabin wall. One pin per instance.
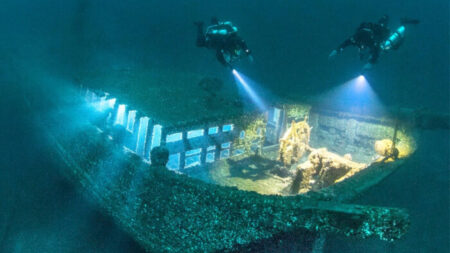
(348, 135)
(190, 145)
(198, 144)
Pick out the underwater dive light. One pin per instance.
(251, 93)
(360, 82)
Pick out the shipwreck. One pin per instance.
(233, 178)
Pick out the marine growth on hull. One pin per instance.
(215, 181)
(241, 157)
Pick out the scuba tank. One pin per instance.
(394, 40)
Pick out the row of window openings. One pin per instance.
(201, 132)
(142, 136)
(120, 120)
(131, 119)
(193, 157)
(142, 128)
(156, 141)
(121, 112)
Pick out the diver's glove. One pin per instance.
(332, 54)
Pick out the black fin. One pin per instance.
(409, 21)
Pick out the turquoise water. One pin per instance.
(48, 46)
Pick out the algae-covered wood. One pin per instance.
(171, 97)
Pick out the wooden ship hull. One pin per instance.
(168, 210)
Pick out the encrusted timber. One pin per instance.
(407, 117)
(242, 124)
(350, 220)
(359, 117)
(315, 215)
(387, 224)
(303, 212)
(285, 213)
(354, 186)
(204, 142)
(296, 111)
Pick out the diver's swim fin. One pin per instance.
(409, 21)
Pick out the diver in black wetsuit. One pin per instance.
(372, 38)
(367, 39)
(222, 36)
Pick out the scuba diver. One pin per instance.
(373, 38)
(223, 37)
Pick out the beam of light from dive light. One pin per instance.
(103, 104)
(360, 83)
(251, 93)
(361, 79)
(355, 95)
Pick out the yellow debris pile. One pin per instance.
(294, 143)
(385, 148)
(325, 168)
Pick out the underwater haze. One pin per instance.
(290, 41)
(47, 46)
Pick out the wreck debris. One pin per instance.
(295, 142)
(252, 133)
(325, 168)
(296, 111)
(322, 169)
(386, 149)
(200, 205)
(297, 183)
(172, 212)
